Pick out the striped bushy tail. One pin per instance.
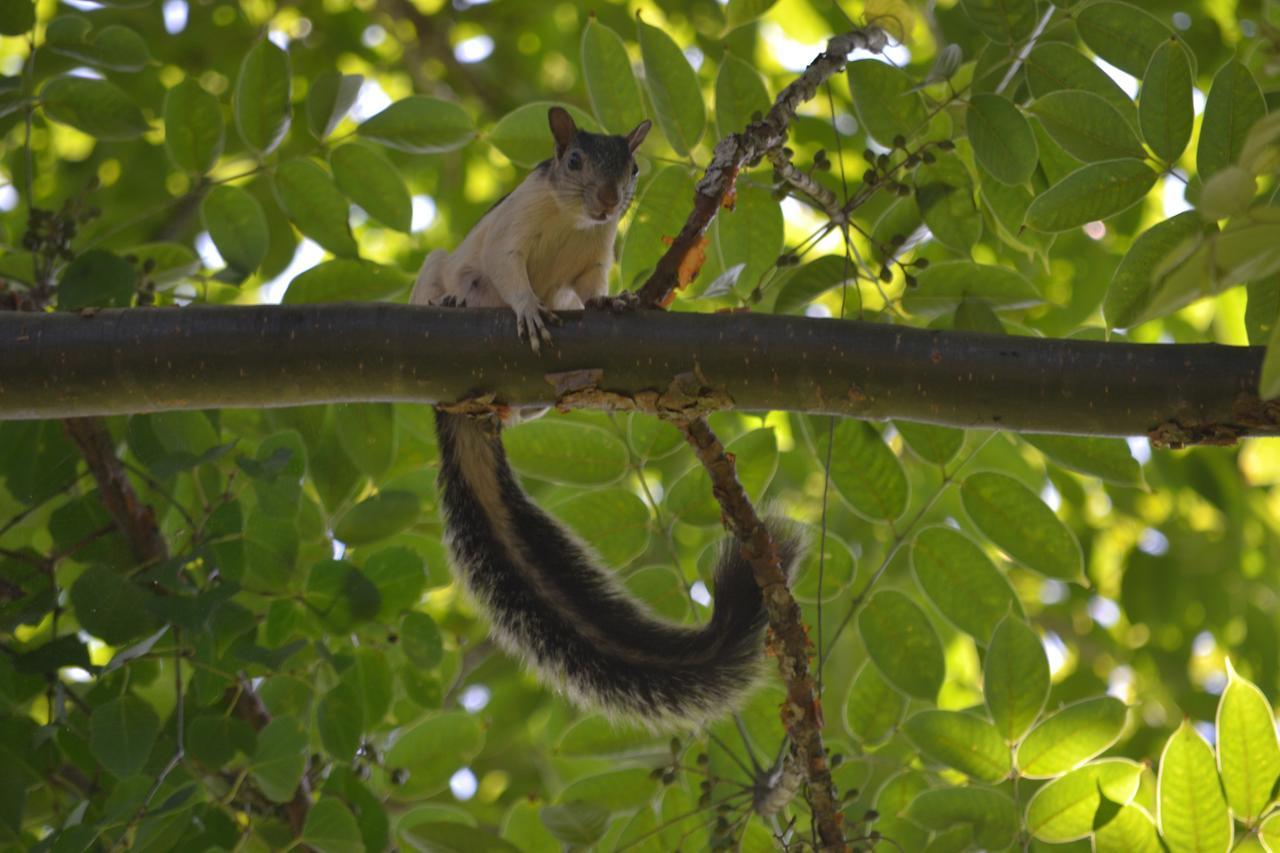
(551, 603)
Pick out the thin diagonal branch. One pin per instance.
(738, 150)
(789, 641)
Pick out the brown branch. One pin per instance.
(789, 642)
(737, 150)
(135, 520)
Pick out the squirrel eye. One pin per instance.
(575, 161)
(635, 169)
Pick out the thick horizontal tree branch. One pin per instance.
(153, 359)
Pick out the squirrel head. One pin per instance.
(593, 175)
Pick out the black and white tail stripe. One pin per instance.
(552, 604)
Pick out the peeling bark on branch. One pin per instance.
(738, 150)
(145, 360)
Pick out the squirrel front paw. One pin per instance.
(623, 303)
(531, 322)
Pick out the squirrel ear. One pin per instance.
(562, 128)
(635, 137)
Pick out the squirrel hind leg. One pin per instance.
(429, 288)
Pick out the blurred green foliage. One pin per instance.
(1007, 627)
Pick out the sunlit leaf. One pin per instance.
(1192, 809)
(903, 644)
(264, 88)
(673, 86)
(1068, 738)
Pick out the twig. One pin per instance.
(136, 520)
(737, 150)
(802, 711)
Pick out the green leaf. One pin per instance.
(280, 759)
(122, 733)
(611, 84)
(168, 262)
(691, 499)
(433, 750)
(614, 521)
(1090, 193)
(962, 741)
(1248, 754)
(95, 107)
(961, 581)
(1064, 810)
(400, 576)
(214, 739)
(836, 570)
(377, 517)
(340, 594)
(902, 644)
(193, 131)
(1192, 809)
(346, 280)
(442, 837)
(1003, 143)
(1016, 520)
(659, 212)
(371, 180)
(370, 678)
(237, 225)
(932, 443)
(1234, 104)
(1071, 736)
(1133, 284)
(873, 709)
(1054, 65)
(1015, 677)
(673, 87)
(751, 234)
(945, 195)
(806, 283)
(1086, 126)
(367, 433)
(524, 135)
(566, 452)
(17, 17)
(892, 801)
(261, 102)
(110, 606)
(943, 285)
(866, 472)
(420, 125)
(1164, 109)
(663, 589)
(740, 93)
(331, 828)
(420, 639)
(1131, 831)
(616, 790)
(1269, 832)
(578, 824)
(1106, 458)
(97, 278)
(340, 720)
(1002, 21)
(739, 12)
(886, 100)
(991, 814)
(309, 197)
(594, 736)
(1122, 34)
(329, 97)
(114, 47)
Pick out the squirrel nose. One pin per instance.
(608, 197)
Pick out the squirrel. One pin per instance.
(549, 244)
